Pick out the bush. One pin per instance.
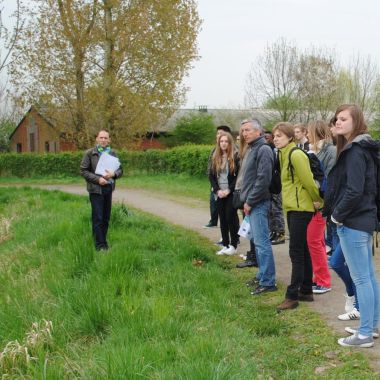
(196, 128)
(189, 159)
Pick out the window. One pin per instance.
(31, 142)
(19, 148)
(46, 146)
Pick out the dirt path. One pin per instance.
(194, 214)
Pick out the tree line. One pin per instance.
(302, 85)
(120, 65)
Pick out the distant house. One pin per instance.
(230, 117)
(36, 133)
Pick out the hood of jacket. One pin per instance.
(366, 142)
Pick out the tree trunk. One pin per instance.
(109, 68)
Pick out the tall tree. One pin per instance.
(53, 62)
(10, 29)
(360, 83)
(272, 79)
(317, 77)
(115, 64)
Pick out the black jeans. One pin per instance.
(302, 270)
(101, 212)
(229, 221)
(213, 210)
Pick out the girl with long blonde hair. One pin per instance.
(223, 174)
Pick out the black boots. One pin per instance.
(250, 261)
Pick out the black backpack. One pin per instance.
(275, 183)
(275, 186)
(316, 168)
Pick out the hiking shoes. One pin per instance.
(253, 282)
(278, 238)
(246, 264)
(287, 304)
(355, 341)
(305, 297)
(263, 289)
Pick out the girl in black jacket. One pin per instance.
(223, 174)
(350, 203)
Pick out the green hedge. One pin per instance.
(190, 159)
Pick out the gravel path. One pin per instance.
(194, 214)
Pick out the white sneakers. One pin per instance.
(350, 316)
(351, 312)
(350, 303)
(231, 250)
(350, 330)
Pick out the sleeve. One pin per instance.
(263, 179)
(209, 162)
(213, 180)
(237, 167)
(329, 160)
(300, 163)
(355, 170)
(86, 170)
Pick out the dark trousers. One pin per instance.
(213, 210)
(276, 216)
(101, 212)
(229, 221)
(302, 270)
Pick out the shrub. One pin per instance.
(196, 128)
(189, 159)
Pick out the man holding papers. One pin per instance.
(100, 167)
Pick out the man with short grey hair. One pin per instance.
(257, 198)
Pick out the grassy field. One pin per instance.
(183, 185)
(158, 305)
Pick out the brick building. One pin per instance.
(36, 133)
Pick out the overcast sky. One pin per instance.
(235, 32)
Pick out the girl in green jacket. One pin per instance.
(300, 199)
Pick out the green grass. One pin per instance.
(177, 185)
(158, 305)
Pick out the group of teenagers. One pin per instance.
(346, 209)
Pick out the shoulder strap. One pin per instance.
(290, 165)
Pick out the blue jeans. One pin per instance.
(258, 219)
(357, 250)
(339, 265)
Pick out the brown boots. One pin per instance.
(287, 304)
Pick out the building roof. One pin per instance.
(39, 112)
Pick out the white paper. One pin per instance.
(245, 229)
(107, 162)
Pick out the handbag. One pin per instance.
(236, 201)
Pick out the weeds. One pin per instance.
(5, 225)
(17, 357)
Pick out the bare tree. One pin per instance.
(361, 85)
(317, 76)
(272, 81)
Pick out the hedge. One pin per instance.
(190, 159)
